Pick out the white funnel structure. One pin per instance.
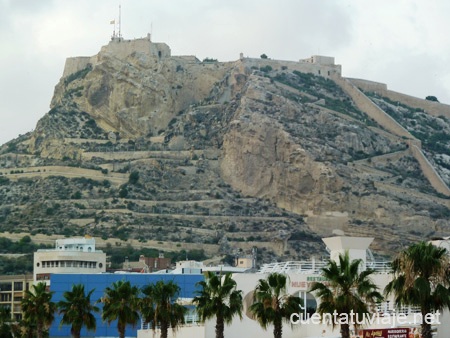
(356, 247)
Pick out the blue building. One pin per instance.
(59, 283)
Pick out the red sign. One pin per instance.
(388, 333)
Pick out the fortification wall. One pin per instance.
(366, 105)
(75, 64)
(428, 170)
(369, 86)
(432, 108)
(121, 48)
(325, 70)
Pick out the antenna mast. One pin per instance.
(120, 21)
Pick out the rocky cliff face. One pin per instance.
(217, 153)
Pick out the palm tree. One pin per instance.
(5, 323)
(421, 278)
(77, 310)
(38, 309)
(218, 298)
(23, 329)
(159, 307)
(120, 303)
(272, 304)
(347, 290)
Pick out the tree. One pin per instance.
(159, 307)
(38, 308)
(23, 329)
(120, 303)
(218, 298)
(272, 304)
(263, 56)
(347, 290)
(77, 310)
(134, 177)
(421, 278)
(432, 98)
(5, 323)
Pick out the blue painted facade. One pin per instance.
(59, 283)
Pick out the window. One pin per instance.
(6, 286)
(18, 286)
(100, 265)
(5, 297)
(309, 305)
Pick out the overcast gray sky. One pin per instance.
(402, 43)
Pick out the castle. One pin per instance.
(121, 48)
(317, 64)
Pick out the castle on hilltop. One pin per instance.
(319, 65)
(121, 48)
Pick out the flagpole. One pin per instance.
(120, 21)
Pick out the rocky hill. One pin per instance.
(173, 153)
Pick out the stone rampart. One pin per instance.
(366, 105)
(121, 48)
(428, 170)
(75, 64)
(431, 107)
(325, 70)
(371, 109)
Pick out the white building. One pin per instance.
(301, 275)
(70, 255)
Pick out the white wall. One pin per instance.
(184, 332)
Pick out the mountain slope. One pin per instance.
(172, 151)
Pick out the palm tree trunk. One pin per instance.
(40, 330)
(426, 330)
(121, 329)
(345, 330)
(277, 328)
(425, 327)
(164, 329)
(75, 333)
(220, 327)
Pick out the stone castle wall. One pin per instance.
(428, 170)
(75, 64)
(366, 105)
(326, 70)
(387, 122)
(120, 48)
(432, 108)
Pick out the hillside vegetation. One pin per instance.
(178, 155)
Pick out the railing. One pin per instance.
(189, 320)
(314, 267)
(387, 308)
